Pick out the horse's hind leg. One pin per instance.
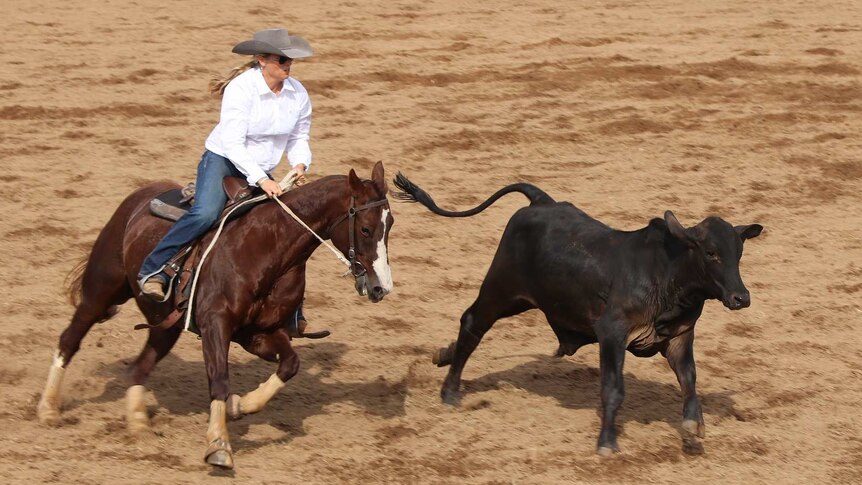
(159, 343)
(103, 287)
(99, 303)
(275, 345)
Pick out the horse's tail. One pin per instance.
(74, 281)
(410, 192)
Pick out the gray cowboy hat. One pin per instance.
(277, 42)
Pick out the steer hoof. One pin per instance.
(606, 451)
(219, 454)
(443, 356)
(692, 432)
(693, 427)
(451, 398)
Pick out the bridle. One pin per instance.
(356, 267)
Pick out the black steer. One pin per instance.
(640, 291)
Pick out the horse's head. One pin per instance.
(364, 234)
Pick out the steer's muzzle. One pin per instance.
(737, 300)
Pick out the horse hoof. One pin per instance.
(233, 409)
(138, 428)
(221, 459)
(693, 427)
(48, 415)
(219, 454)
(606, 451)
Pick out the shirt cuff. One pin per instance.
(255, 175)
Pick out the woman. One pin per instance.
(264, 113)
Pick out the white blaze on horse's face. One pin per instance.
(381, 263)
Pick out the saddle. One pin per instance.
(180, 269)
(173, 204)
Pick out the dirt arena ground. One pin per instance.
(747, 110)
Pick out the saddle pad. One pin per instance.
(173, 204)
(170, 205)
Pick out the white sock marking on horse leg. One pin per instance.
(381, 264)
(255, 400)
(218, 426)
(48, 410)
(136, 412)
(218, 452)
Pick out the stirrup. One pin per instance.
(157, 297)
(296, 329)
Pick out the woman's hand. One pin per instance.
(300, 175)
(269, 186)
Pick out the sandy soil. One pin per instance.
(747, 110)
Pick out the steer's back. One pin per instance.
(555, 257)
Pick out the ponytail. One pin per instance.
(217, 85)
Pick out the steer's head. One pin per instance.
(716, 248)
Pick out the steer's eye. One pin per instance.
(366, 232)
(712, 255)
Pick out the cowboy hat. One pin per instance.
(277, 42)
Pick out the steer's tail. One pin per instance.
(410, 192)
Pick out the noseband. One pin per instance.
(356, 267)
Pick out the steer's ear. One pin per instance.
(748, 231)
(354, 183)
(677, 230)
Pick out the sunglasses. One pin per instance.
(284, 59)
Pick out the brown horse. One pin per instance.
(249, 287)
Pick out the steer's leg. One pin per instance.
(612, 350)
(489, 307)
(275, 345)
(680, 356)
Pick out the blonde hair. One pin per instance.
(217, 85)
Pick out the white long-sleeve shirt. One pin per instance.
(257, 126)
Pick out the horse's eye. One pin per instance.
(366, 232)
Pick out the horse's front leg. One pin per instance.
(216, 342)
(276, 344)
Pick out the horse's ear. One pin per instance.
(354, 183)
(379, 179)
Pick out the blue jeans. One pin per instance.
(209, 202)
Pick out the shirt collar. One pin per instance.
(263, 88)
